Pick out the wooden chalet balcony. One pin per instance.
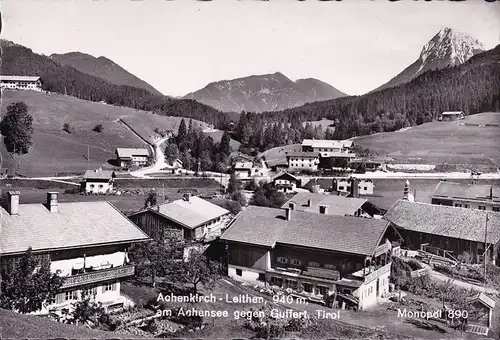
(98, 276)
(375, 273)
(308, 272)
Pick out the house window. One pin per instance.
(330, 266)
(323, 290)
(291, 284)
(467, 205)
(496, 208)
(262, 277)
(296, 262)
(458, 205)
(482, 207)
(277, 281)
(282, 259)
(239, 272)
(90, 291)
(365, 188)
(101, 186)
(92, 186)
(347, 291)
(313, 264)
(341, 188)
(109, 287)
(307, 287)
(71, 295)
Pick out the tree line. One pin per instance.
(196, 151)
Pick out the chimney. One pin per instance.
(309, 202)
(187, 197)
(288, 214)
(354, 186)
(291, 205)
(13, 202)
(406, 191)
(52, 203)
(323, 209)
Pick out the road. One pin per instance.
(158, 164)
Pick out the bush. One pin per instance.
(67, 128)
(98, 128)
(414, 264)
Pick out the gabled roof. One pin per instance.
(19, 78)
(276, 162)
(75, 225)
(302, 154)
(190, 214)
(452, 113)
(337, 205)
(129, 152)
(288, 176)
(484, 299)
(446, 189)
(459, 223)
(237, 154)
(266, 227)
(322, 143)
(99, 174)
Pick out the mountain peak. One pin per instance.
(265, 92)
(448, 47)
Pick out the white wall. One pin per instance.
(367, 293)
(247, 274)
(98, 187)
(299, 163)
(474, 205)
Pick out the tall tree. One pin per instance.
(151, 199)
(182, 136)
(199, 269)
(17, 128)
(28, 284)
(225, 146)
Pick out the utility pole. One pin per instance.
(88, 157)
(163, 191)
(485, 246)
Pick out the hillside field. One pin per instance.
(55, 151)
(324, 123)
(458, 142)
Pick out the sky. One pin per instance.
(179, 46)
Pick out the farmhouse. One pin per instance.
(322, 254)
(326, 147)
(130, 156)
(302, 161)
(21, 83)
(277, 165)
(286, 182)
(451, 115)
(333, 205)
(86, 241)
(474, 196)
(98, 181)
(175, 166)
(446, 228)
(189, 219)
(243, 169)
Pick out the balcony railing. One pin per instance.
(310, 272)
(98, 276)
(375, 273)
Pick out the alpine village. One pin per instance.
(129, 214)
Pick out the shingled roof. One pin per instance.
(459, 223)
(268, 226)
(76, 224)
(337, 205)
(129, 152)
(192, 213)
(99, 174)
(466, 191)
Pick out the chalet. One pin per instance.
(355, 186)
(326, 148)
(474, 196)
(286, 182)
(243, 169)
(446, 228)
(237, 156)
(277, 165)
(189, 219)
(333, 205)
(98, 181)
(130, 156)
(20, 83)
(451, 115)
(86, 242)
(313, 254)
(371, 164)
(302, 161)
(175, 167)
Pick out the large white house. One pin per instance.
(85, 242)
(326, 147)
(132, 156)
(21, 83)
(302, 161)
